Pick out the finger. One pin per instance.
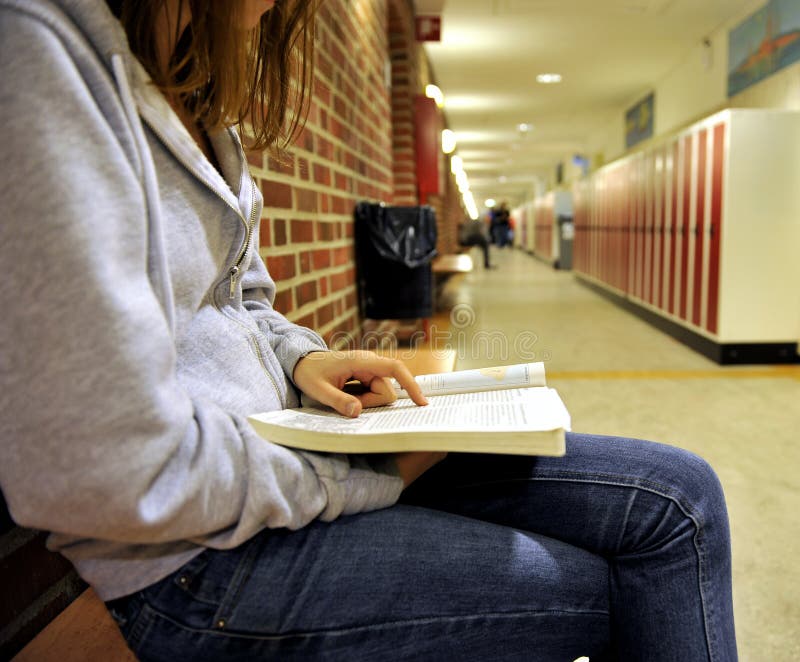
(384, 367)
(406, 380)
(344, 403)
(380, 393)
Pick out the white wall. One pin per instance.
(693, 90)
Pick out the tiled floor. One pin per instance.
(620, 376)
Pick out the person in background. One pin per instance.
(139, 333)
(500, 225)
(472, 232)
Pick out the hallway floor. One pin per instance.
(618, 375)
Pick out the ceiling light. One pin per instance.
(490, 202)
(448, 141)
(456, 165)
(502, 179)
(433, 92)
(524, 127)
(548, 79)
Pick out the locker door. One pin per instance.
(619, 220)
(630, 225)
(672, 273)
(639, 189)
(715, 226)
(684, 230)
(660, 203)
(647, 293)
(699, 226)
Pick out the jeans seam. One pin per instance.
(140, 627)
(411, 622)
(240, 575)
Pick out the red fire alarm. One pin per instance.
(429, 28)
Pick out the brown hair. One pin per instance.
(224, 75)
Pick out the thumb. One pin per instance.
(346, 404)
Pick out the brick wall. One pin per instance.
(407, 81)
(357, 145)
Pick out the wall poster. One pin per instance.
(763, 43)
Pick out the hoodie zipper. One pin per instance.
(233, 274)
(234, 271)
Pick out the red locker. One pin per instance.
(699, 226)
(715, 226)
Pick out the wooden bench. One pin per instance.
(85, 630)
(451, 263)
(444, 268)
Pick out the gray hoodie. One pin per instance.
(137, 326)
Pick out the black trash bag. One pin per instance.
(394, 249)
(399, 234)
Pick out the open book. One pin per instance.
(506, 409)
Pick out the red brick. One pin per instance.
(305, 261)
(321, 258)
(326, 231)
(276, 194)
(264, 239)
(306, 199)
(324, 314)
(342, 255)
(322, 92)
(304, 169)
(255, 159)
(322, 174)
(306, 321)
(279, 230)
(284, 165)
(302, 231)
(281, 267)
(324, 148)
(305, 292)
(283, 301)
(340, 280)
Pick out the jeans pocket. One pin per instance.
(194, 581)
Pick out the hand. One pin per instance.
(322, 376)
(413, 464)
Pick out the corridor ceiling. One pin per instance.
(610, 53)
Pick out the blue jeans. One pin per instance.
(618, 551)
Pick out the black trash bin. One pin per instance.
(394, 249)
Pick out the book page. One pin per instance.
(525, 409)
(480, 379)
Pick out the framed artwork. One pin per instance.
(639, 121)
(763, 43)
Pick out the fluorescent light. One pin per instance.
(448, 141)
(469, 203)
(456, 164)
(548, 79)
(433, 92)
